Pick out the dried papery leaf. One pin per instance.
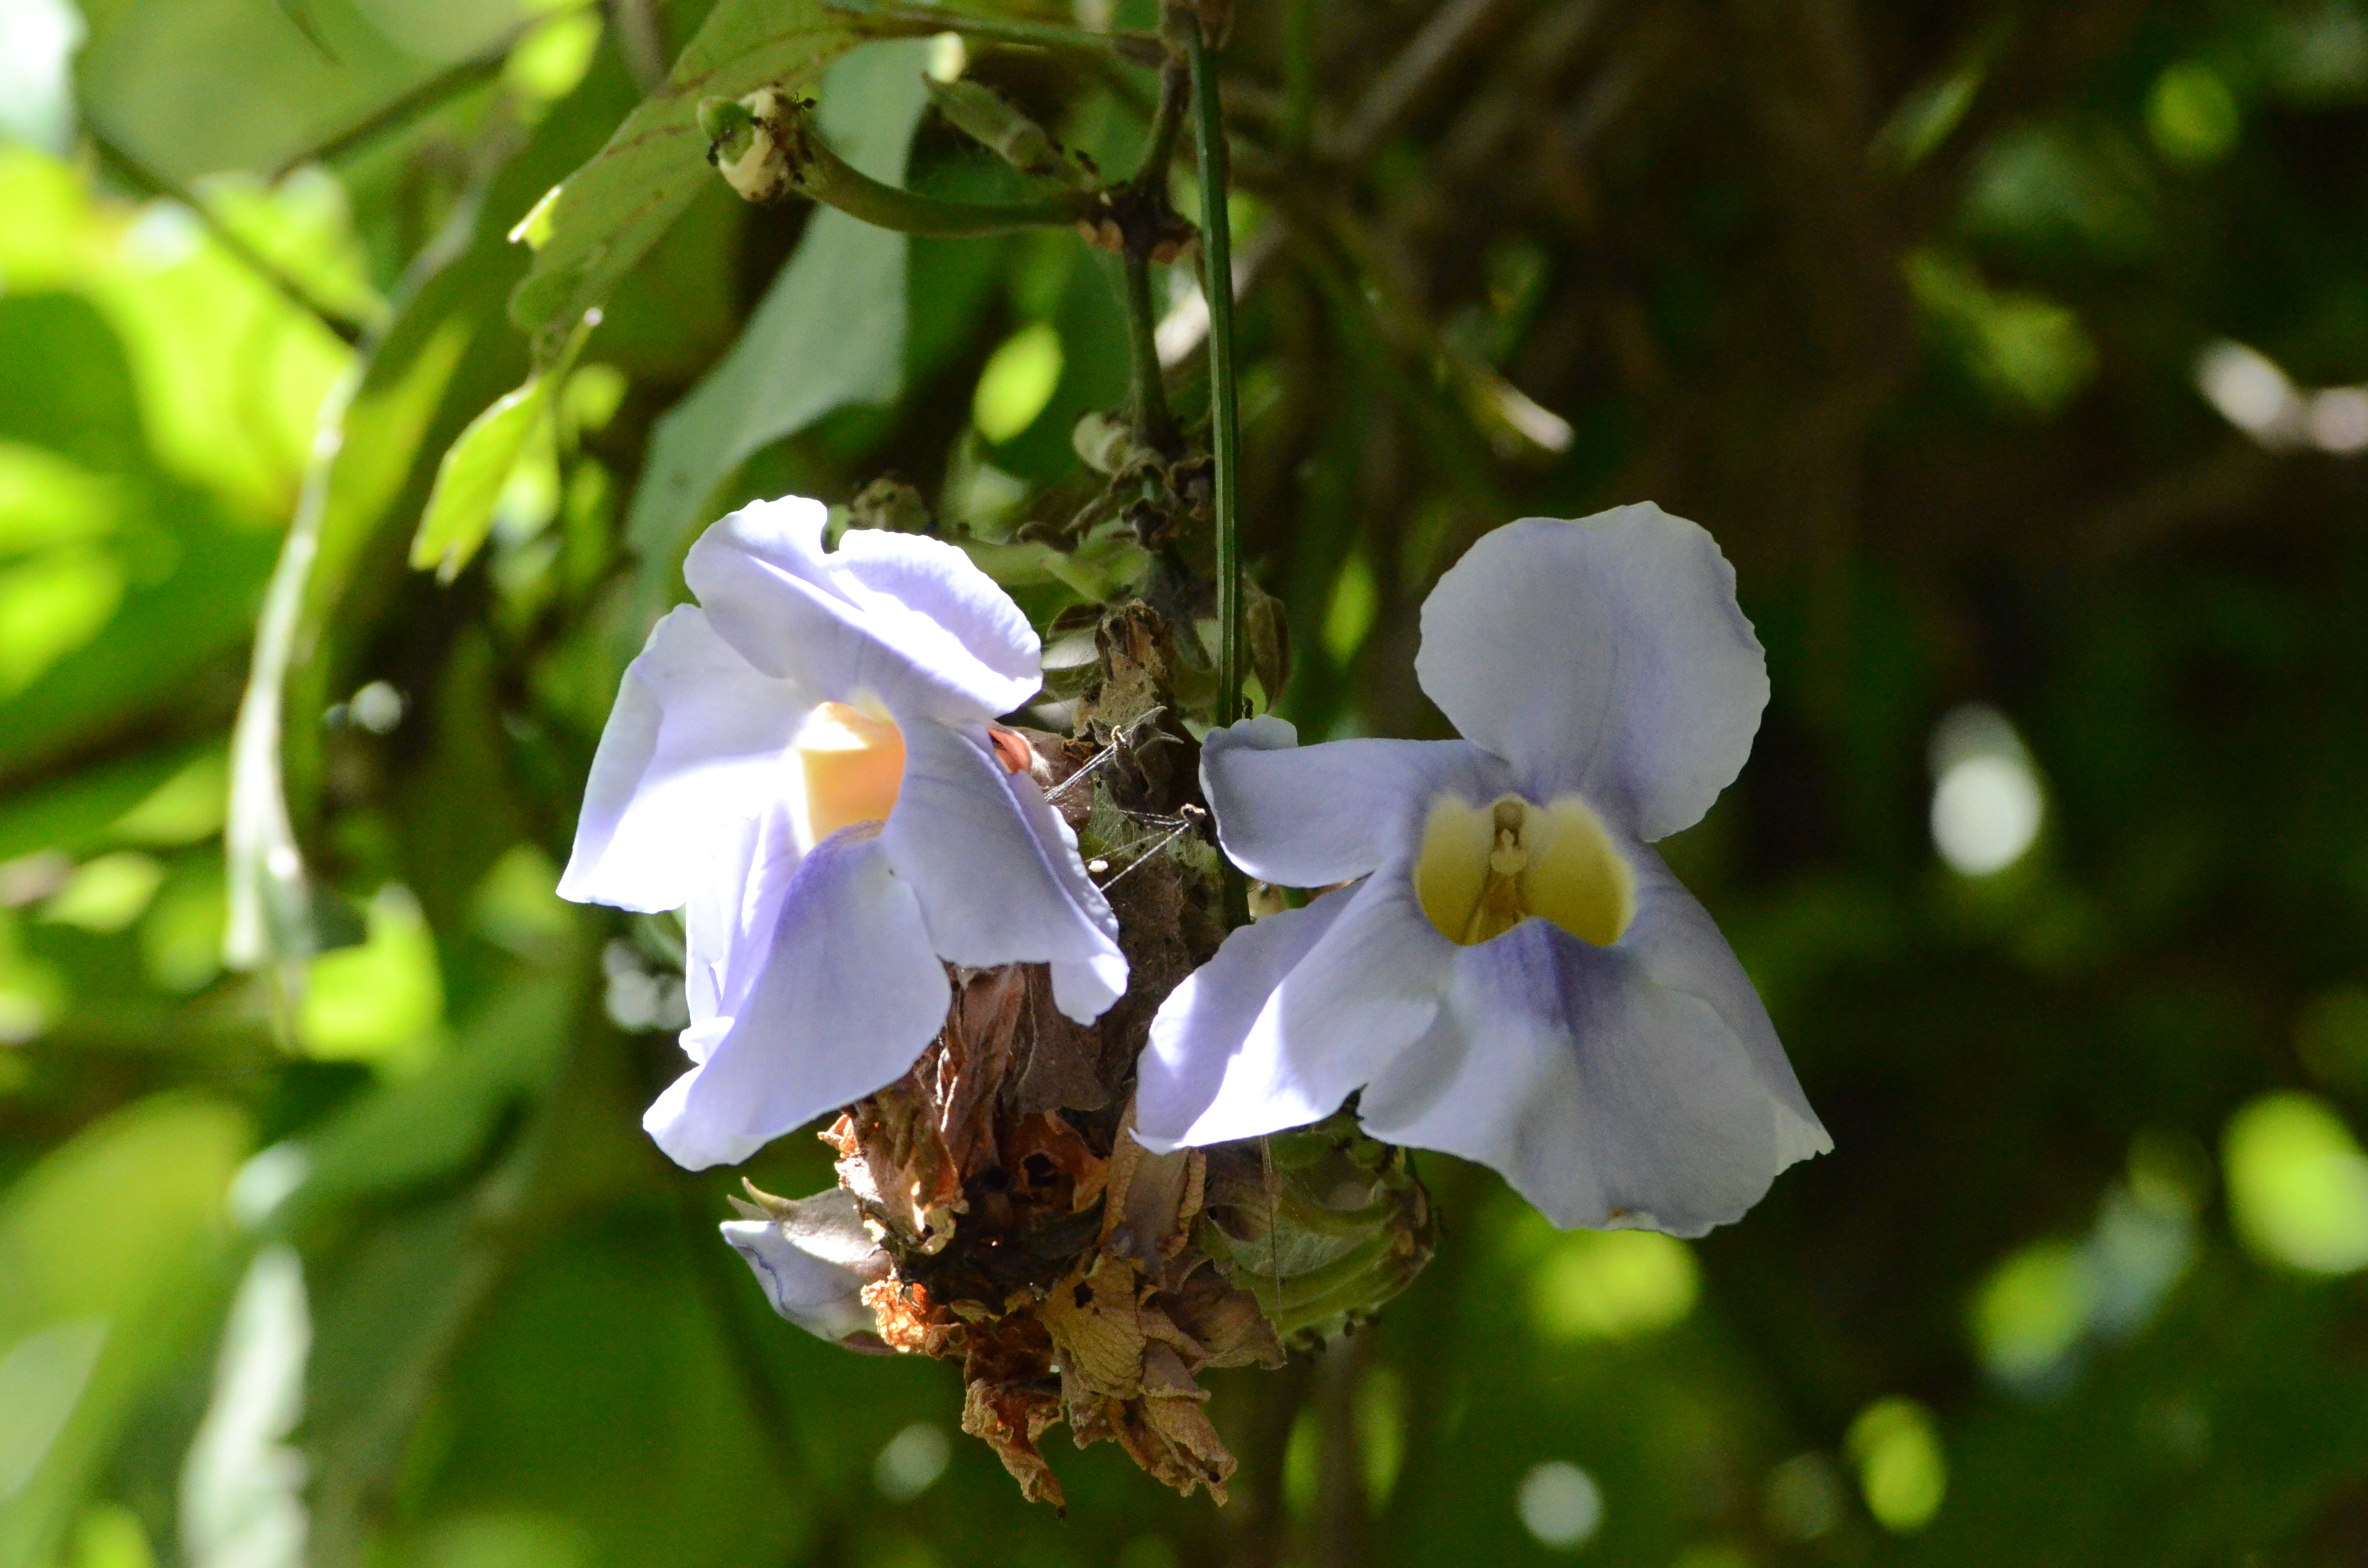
(1011, 1397)
(894, 1162)
(1169, 1432)
(980, 1041)
(909, 1323)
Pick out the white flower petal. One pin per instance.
(1637, 1085)
(848, 998)
(1084, 991)
(997, 871)
(911, 576)
(1201, 1026)
(1310, 817)
(814, 1262)
(1606, 656)
(733, 913)
(696, 742)
(844, 626)
(1364, 991)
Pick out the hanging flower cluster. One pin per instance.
(1503, 969)
(806, 763)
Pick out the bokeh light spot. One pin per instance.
(1018, 383)
(1612, 1285)
(2297, 1183)
(1986, 803)
(1901, 1470)
(1804, 1498)
(1560, 1504)
(912, 1461)
(2032, 1310)
(2192, 115)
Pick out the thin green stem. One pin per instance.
(1225, 403)
(833, 181)
(894, 17)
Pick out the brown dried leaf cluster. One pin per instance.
(1037, 1242)
(1031, 1236)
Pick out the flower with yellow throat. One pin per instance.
(1509, 972)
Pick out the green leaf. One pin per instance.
(469, 479)
(844, 271)
(113, 1248)
(607, 213)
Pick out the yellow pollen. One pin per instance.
(1483, 870)
(853, 763)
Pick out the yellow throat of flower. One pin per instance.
(1485, 869)
(852, 762)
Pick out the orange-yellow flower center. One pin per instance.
(852, 763)
(1483, 870)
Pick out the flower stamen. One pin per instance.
(1483, 870)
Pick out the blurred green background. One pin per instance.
(2008, 350)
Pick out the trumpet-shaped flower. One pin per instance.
(1509, 973)
(806, 760)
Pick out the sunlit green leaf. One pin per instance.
(470, 480)
(382, 1001)
(2029, 351)
(108, 893)
(610, 211)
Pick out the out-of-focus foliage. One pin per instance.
(2013, 354)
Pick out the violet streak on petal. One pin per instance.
(813, 1259)
(848, 998)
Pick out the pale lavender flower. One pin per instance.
(1511, 974)
(806, 760)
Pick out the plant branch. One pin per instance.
(151, 182)
(1166, 121)
(809, 166)
(1155, 426)
(1452, 29)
